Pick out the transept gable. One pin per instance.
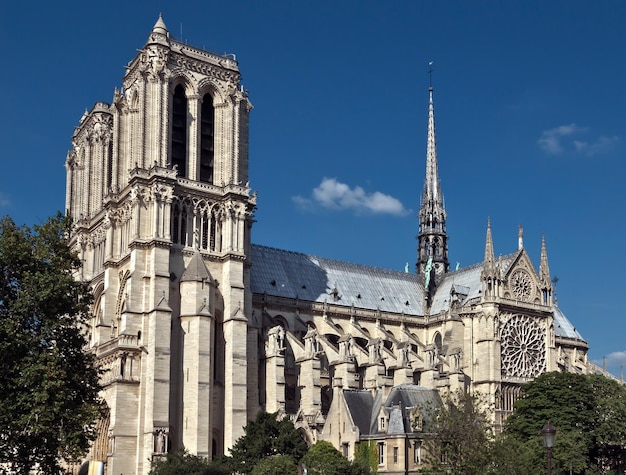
(521, 280)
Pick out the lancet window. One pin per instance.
(179, 131)
(207, 132)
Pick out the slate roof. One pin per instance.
(563, 327)
(465, 282)
(360, 404)
(364, 407)
(291, 274)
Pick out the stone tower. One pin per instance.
(432, 239)
(157, 183)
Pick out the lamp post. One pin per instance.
(549, 435)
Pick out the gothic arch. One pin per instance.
(179, 127)
(208, 86)
(180, 77)
(282, 321)
(438, 341)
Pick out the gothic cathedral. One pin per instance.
(199, 329)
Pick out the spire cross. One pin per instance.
(430, 74)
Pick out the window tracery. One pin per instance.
(523, 347)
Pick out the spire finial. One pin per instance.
(544, 268)
(489, 254)
(520, 238)
(159, 26)
(430, 75)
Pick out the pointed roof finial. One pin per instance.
(544, 268)
(430, 75)
(489, 254)
(520, 238)
(196, 270)
(159, 26)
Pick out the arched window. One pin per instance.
(179, 131)
(176, 224)
(438, 340)
(207, 129)
(204, 231)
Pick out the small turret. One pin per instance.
(159, 33)
(159, 27)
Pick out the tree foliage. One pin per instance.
(366, 456)
(462, 437)
(266, 436)
(181, 461)
(511, 457)
(589, 412)
(276, 465)
(324, 459)
(48, 384)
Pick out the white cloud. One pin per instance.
(4, 200)
(551, 140)
(615, 359)
(333, 194)
(561, 139)
(602, 145)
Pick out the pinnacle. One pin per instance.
(159, 26)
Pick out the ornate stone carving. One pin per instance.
(275, 344)
(160, 439)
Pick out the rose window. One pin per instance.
(523, 347)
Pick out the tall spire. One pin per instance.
(432, 252)
(432, 187)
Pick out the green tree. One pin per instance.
(266, 436)
(589, 413)
(48, 384)
(461, 435)
(508, 456)
(181, 461)
(324, 459)
(276, 465)
(366, 456)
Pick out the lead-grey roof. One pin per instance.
(465, 283)
(360, 404)
(291, 274)
(563, 327)
(411, 395)
(364, 406)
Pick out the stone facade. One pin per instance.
(199, 329)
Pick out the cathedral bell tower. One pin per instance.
(157, 184)
(432, 239)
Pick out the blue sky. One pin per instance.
(529, 110)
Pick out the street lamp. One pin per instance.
(549, 435)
